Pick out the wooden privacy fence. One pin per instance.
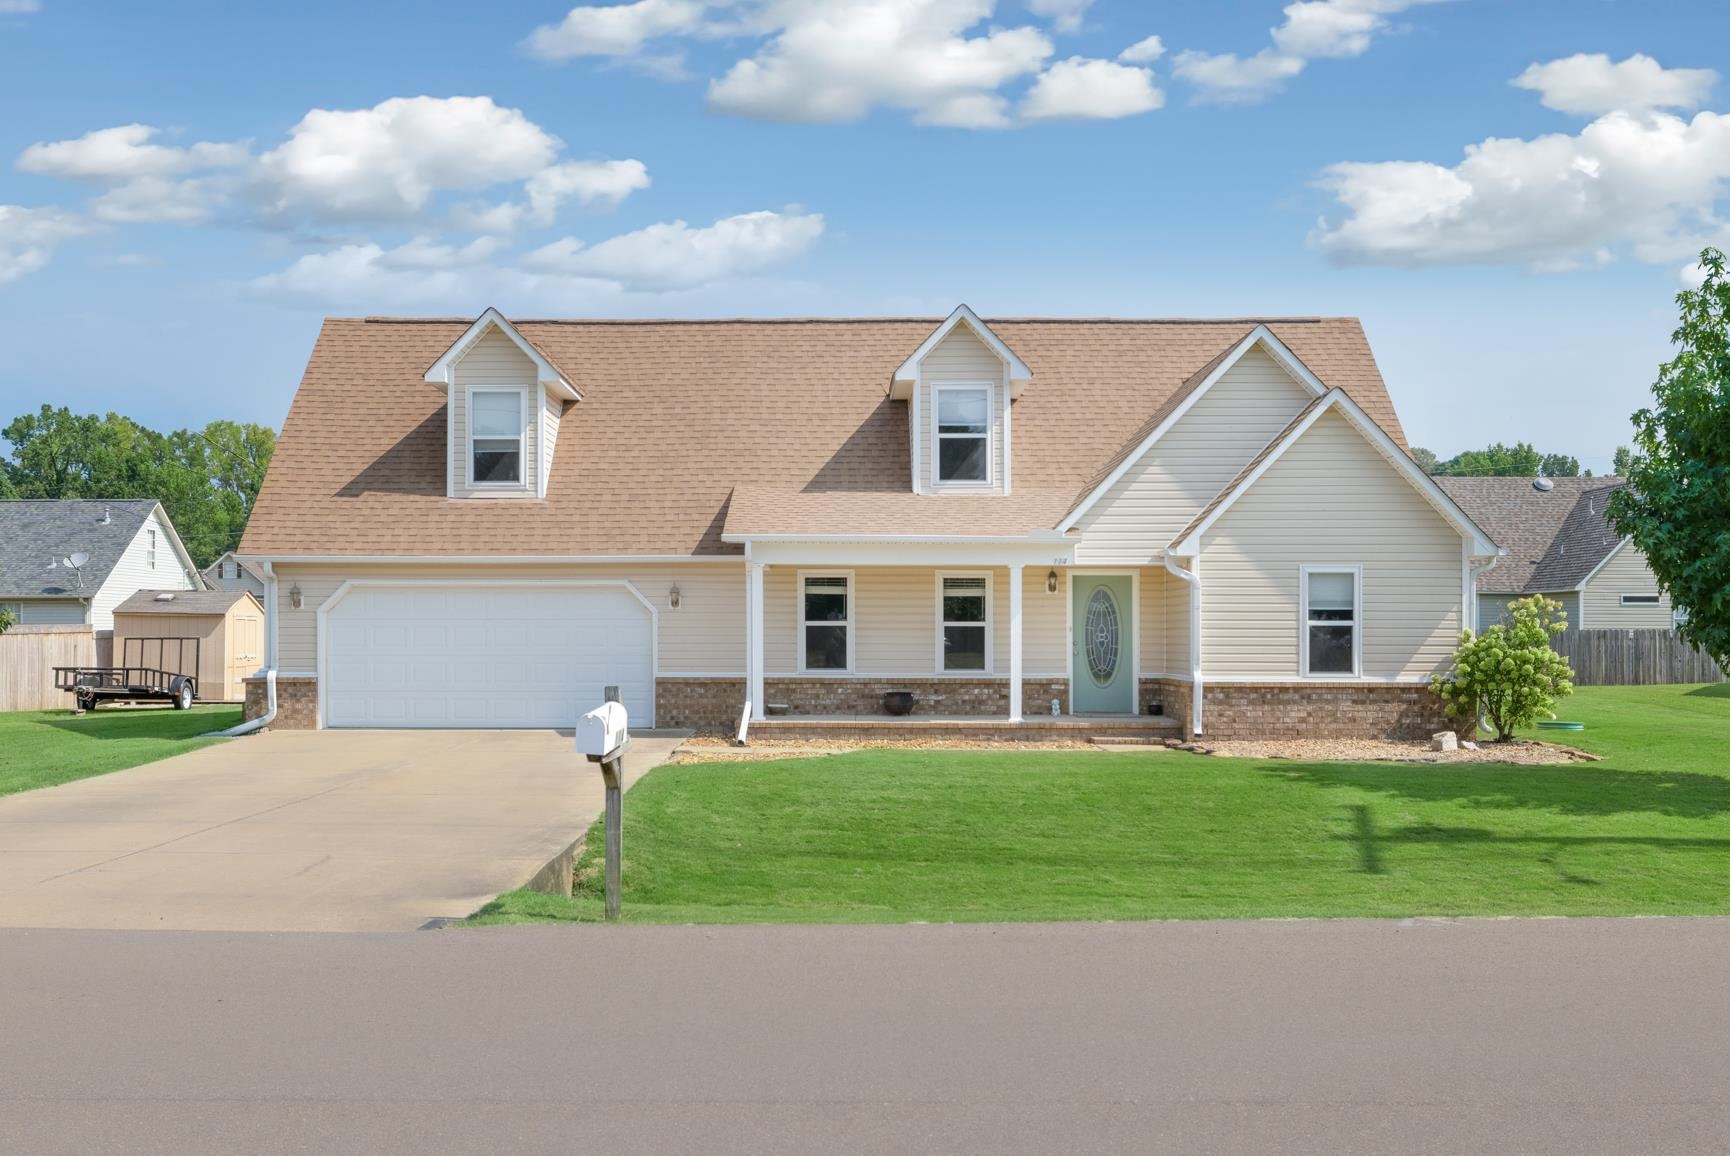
(28, 656)
(1633, 658)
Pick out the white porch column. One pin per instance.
(1015, 642)
(754, 638)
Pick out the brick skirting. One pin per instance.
(1173, 696)
(705, 705)
(1324, 711)
(296, 703)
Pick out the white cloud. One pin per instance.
(1692, 275)
(1065, 15)
(1096, 89)
(616, 29)
(1645, 182)
(19, 7)
(386, 162)
(1590, 85)
(1312, 30)
(155, 200)
(1143, 51)
(363, 275)
(28, 237)
(592, 184)
(673, 255)
(836, 61)
(123, 153)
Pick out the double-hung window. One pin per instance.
(964, 621)
(963, 433)
(825, 622)
(1332, 618)
(496, 437)
(150, 550)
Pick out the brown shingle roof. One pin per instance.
(677, 414)
(182, 602)
(1528, 523)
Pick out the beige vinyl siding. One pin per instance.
(1492, 608)
(1626, 572)
(895, 621)
(1332, 499)
(1175, 611)
(493, 360)
(959, 357)
(134, 572)
(706, 635)
(552, 412)
(1231, 423)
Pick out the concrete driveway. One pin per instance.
(302, 831)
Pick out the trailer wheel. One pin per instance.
(183, 695)
(85, 701)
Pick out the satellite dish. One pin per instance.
(77, 560)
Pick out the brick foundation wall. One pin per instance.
(1174, 698)
(296, 703)
(705, 705)
(1324, 711)
(1037, 693)
(969, 697)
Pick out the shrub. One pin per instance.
(1509, 674)
(7, 620)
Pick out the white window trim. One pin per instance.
(525, 484)
(1642, 600)
(1357, 573)
(937, 438)
(990, 623)
(851, 623)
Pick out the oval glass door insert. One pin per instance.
(1102, 636)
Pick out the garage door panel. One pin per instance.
(485, 656)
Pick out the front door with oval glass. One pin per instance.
(1102, 675)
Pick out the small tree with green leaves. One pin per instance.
(7, 620)
(1510, 674)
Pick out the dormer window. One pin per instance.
(964, 434)
(496, 426)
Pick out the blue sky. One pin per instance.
(187, 188)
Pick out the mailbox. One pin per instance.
(602, 732)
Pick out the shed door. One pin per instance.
(485, 656)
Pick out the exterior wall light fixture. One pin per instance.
(674, 597)
(294, 596)
(1051, 582)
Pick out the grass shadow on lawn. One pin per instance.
(150, 722)
(1573, 789)
(1712, 690)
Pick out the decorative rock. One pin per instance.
(1469, 745)
(1444, 741)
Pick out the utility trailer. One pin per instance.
(151, 670)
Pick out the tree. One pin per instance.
(1519, 460)
(1559, 466)
(1619, 466)
(1426, 459)
(7, 620)
(1676, 505)
(205, 479)
(1510, 674)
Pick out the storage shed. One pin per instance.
(157, 627)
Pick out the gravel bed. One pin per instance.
(1519, 751)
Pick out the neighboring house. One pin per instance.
(230, 573)
(482, 524)
(1560, 544)
(130, 545)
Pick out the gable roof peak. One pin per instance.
(1019, 374)
(548, 374)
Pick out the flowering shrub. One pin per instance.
(1509, 674)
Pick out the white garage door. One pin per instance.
(485, 656)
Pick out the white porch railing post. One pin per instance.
(1015, 642)
(754, 648)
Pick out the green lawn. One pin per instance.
(42, 748)
(885, 836)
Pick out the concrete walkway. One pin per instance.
(302, 831)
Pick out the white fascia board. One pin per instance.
(1261, 336)
(487, 559)
(1584, 582)
(909, 371)
(1337, 399)
(952, 554)
(180, 550)
(439, 373)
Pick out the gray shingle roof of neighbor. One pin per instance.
(181, 602)
(1553, 538)
(37, 532)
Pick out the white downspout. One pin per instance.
(1194, 580)
(1474, 572)
(270, 617)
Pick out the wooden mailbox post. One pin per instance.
(603, 735)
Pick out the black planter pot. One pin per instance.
(898, 702)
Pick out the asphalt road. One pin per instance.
(1339, 1037)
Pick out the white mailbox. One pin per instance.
(602, 731)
